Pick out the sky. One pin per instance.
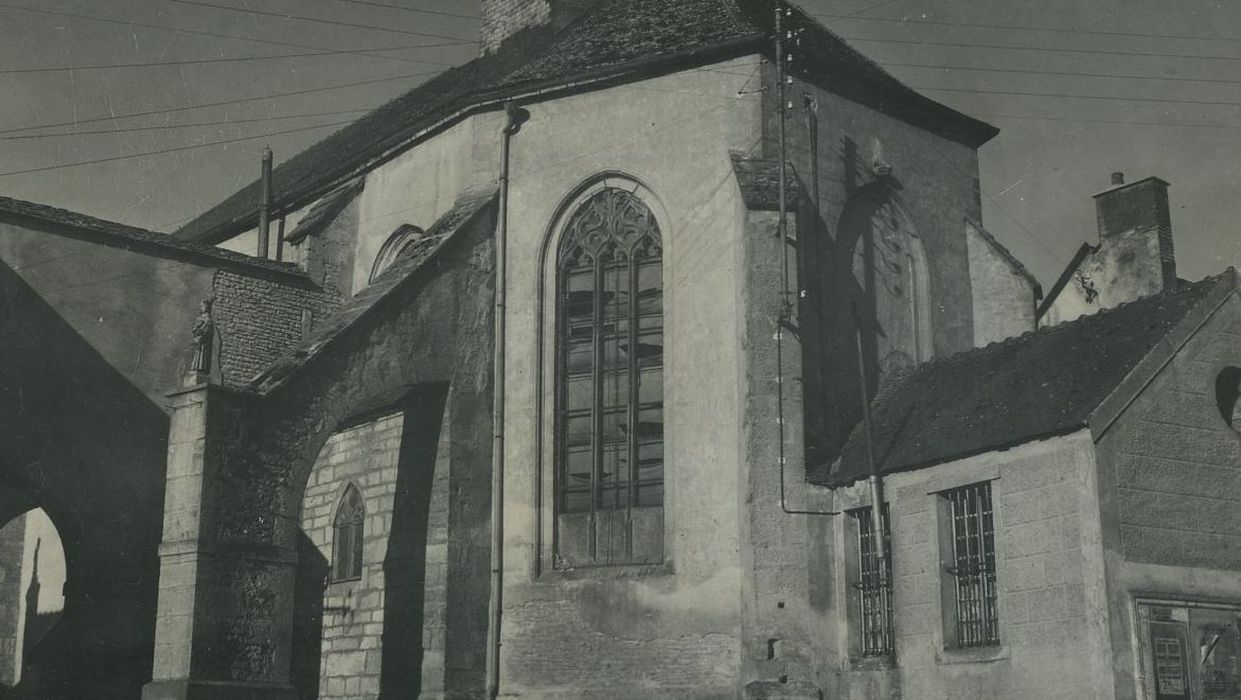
(1079, 89)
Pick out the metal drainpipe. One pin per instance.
(514, 119)
(265, 205)
(876, 481)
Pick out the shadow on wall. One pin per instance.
(405, 564)
(90, 449)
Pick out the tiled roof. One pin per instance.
(122, 235)
(614, 41)
(406, 267)
(326, 209)
(1044, 383)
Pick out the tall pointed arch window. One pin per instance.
(609, 384)
(347, 536)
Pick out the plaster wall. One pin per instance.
(1003, 297)
(1170, 487)
(669, 630)
(135, 310)
(1051, 597)
(1126, 267)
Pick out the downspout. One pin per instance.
(265, 205)
(514, 119)
(876, 481)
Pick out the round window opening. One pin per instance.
(1227, 391)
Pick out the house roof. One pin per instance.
(131, 237)
(1044, 383)
(615, 41)
(412, 260)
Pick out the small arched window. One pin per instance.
(610, 411)
(397, 243)
(347, 536)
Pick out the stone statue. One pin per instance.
(204, 335)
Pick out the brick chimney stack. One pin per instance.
(504, 18)
(1135, 219)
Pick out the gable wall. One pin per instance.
(1170, 484)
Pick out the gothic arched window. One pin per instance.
(609, 384)
(400, 240)
(347, 536)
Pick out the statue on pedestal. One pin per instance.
(204, 336)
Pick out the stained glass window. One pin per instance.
(610, 417)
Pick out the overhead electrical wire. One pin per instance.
(410, 9)
(1069, 74)
(174, 149)
(198, 61)
(166, 127)
(1014, 27)
(220, 35)
(1043, 49)
(1116, 98)
(220, 103)
(319, 20)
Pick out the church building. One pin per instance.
(578, 370)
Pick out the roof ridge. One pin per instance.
(1066, 326)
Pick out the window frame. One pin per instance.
(546, 511)
(954, 508)
(353, 530)
(861, 563)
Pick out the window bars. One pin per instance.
(874, 589)
(973, 567)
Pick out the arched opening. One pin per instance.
(889, 268)
(607, 384)
(33, 573)
(400, 241)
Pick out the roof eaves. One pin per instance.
(103, 232)
(493, 100)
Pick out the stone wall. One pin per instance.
(366, 457)
(258, 320)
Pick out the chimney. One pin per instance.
(1135, 223)
(504, 18)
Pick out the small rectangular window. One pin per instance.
(967, 543)
(873, 588)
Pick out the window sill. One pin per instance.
(973, 655)
(595, 573)
(872, 663)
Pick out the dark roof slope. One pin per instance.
(413, 258)
(1037, 385)
(614, 41)
(130, 237)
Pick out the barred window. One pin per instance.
(609, 416)
(874, 591)
(347, 536)
(970, 571)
